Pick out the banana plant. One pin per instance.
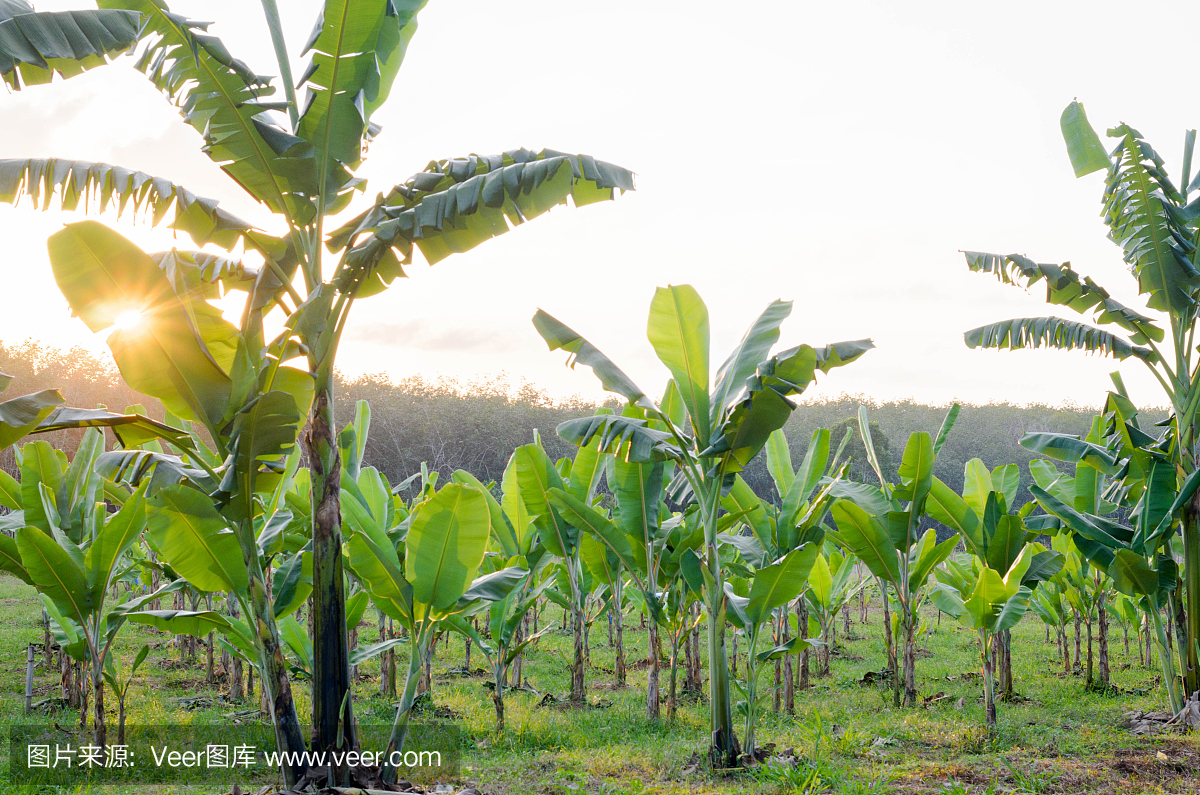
(299, 161)
(505, 613)
(1051, 607)
(711, 429)
(1150, 218)
(427, 577)
(558, 507)
(832, 583)
(992, 592)
(1138, 554)
(881, 527)
(74, 578)
(119, 680)
(983, 599)
(774, 586)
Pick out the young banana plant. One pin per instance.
(710, 427)
(73, 579)
(774, 587)
(881, 526)
(832, 583)
(119, 680)
(505, 614)
(426, 577)
(983, 599)
(1052, 608)
(991, 592)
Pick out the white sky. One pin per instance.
(836, 154)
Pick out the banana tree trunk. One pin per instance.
(888, 640)
(652, 711)
(910, 658)
(619, 630)
(276, 686)
(1168, 665)
(752, 670)
(1187, 610)
(989, 685)
(802, 628)
(777, 691)
(723, 749)
(578, 680)
(672, 693)
(99, 726)
(498, 697)
(1102, 626)
(331, 647)
(789, 692)
(395, 745)
(1088, 680)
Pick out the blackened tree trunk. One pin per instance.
(1078, 664)
(333, 724)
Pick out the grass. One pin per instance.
(846, 737)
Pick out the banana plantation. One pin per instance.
(224, 566)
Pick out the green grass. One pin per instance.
(847, 737)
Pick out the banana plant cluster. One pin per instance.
(1121, 465)
(1151, 219)
(298, 161)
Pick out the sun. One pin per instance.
(130, 320)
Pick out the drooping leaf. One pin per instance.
(1065, 287)
(1053, 332)
(630, 439)
(19, 416)
(561, 337)
(454, 205)
(1064, 447)
(178, 353)
(35, 46)
(97, 187)
(229, 105)
(1140, 210)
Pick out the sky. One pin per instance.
(839, 155)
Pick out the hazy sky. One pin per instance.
(835, 154)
